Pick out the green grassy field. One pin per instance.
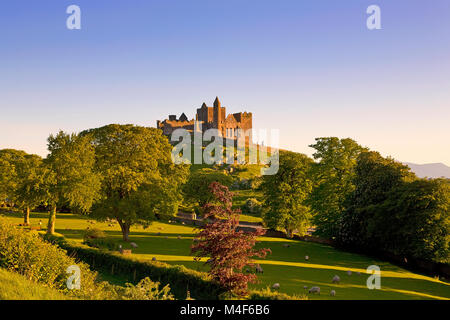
(15, 287)
(286, 266)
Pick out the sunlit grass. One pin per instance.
(14, 286)
(171, 243)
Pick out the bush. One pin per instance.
(252, 206)
(268, 294)
(26, 253)
(146, 290)
(93, 233)
(96, 238)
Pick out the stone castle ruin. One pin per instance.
(209, 118)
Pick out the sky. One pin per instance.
(308, 68)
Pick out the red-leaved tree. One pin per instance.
(229, 251)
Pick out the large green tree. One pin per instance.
(139, 180)
(20, 180)
(285, 193)
(333, 175)
(375, 179)
(69, 176)
(29, 192)
(414, 221)
(8, 175)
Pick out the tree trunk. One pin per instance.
(26, 216)
(51, 221)
(125, 230)
(289, 233)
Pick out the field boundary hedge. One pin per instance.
(179, 278)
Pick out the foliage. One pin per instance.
(21, 179)
(392, 211)
(269, 294)
(8, 174)
(286, 193)
(70, 178)
(333, 178)
(26, 253)
(252, 206)
(228, 250)
(196, 190)
(140, 181)
(93, 233)
(146, 290)
(376, 177)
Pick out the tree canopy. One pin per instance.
(333, 175)
(139, 180)
(286, 193)
(197, 191)
(69, 176)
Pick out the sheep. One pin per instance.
(349, 272)
(276, 286)
(305, 287)
(154, 259)
(314, 290)
(332, 293)
(133, 245)
(259, 269)
(336, 279)
(179, 237)
(306, 258)
(286, 245)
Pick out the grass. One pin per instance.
(14, 286)
(286, 266)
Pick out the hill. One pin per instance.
(14, 286)
(430, 170)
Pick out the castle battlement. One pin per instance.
(209, 118)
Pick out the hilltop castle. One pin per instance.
(209, 118)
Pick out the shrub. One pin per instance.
(146, 290)
(26, 253)
(268, 294)
(252, 206)
(93, 233)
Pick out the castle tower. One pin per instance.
(219, 116)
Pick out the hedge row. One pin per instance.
(180, 278)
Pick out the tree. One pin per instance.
(333, 176)
(229, 251)
(196, 190)
(414, 221)
(30, 183)
(139, 180)
(375, 178)
(8, 175)
(69, 176)
(286, 193)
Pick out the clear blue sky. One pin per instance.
(310, 68)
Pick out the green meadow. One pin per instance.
(170, 242)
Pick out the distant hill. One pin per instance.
(430, 170)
